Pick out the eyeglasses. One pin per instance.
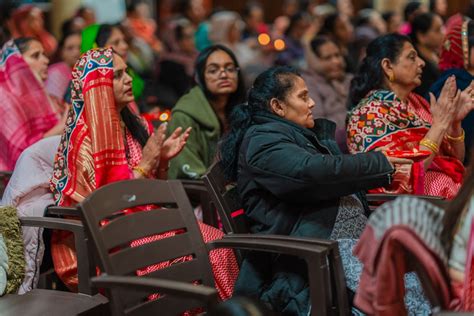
(215, 71)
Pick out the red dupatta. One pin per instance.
(91, 152)
(24, 108)
(383, 120)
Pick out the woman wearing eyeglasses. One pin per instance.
(205, 108)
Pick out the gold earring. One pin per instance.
(391, 77)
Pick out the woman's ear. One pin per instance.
(387, 68)
(277, 107)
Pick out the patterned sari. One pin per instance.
(383, 120)
(96, 150)
(24, 108)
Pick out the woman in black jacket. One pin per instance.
(292, 180)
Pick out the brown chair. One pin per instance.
(198, 195)
(117, 259)
(225, 198)
(233, 220)
(51, 302)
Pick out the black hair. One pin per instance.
(66, 34)
(319, 41)
(411, 8)
(182, 6)
(82, 10)
(135, 126)
(200, 67)
(470, 34)
(276, 82)
(421, 24)
(294, 19)
(432, 5)
(249, 7)
(132, 6)
(387, 16)
(329, 24)
(370, 74)
(103, 35)
(23, 43)
(179, 29)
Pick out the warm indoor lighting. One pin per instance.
(164, 116)
(279, 44)
(264, 39)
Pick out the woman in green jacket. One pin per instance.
(205, 108)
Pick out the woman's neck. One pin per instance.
(428, 54)
(400, 91)
(219, 104)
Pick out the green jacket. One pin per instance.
(193, 110)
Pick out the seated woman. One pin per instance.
(205, 108)
(105, 142)
(292, 180)
(27, 113)
(177, 61)
(457, 58)
(410, 230)
(59, 73)
(427, 36)
(386, 115)
(28, 21)
(328, 83)
(457, 237)
(28, 191)
(108, 35)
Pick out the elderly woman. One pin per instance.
(27, 112)
(457, 58)
(388, 116)
(105, 142)
(292, 180)
(206, 108)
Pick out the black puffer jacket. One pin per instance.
(290, 182)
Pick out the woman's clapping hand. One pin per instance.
(444, 109)
(173, 145)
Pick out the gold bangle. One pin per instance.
(431, 145)
(141, 171)
(457, 139)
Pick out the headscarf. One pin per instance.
(455, 51)
(92, 150)
(24, 108)
(22, 28)
(89, 37)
